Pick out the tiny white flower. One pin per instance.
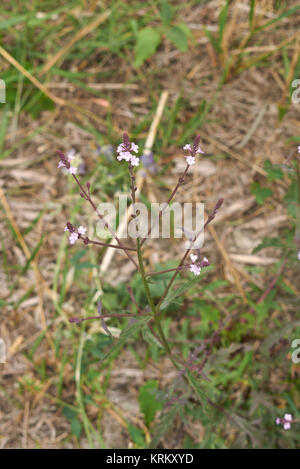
(288, 417)
(134, 147)
(66, 228)
(71, 155)
(73, 238)
(135, 161)
(73, 170)
(193, 257)
(120, 148)
(195, 269)
(127, 155)
(187, 147)
(205, 259)
(199, 150)
(81, 230)
(298, 148)
(298, 255)
(61, 164)
(190, 160)
(286, 426)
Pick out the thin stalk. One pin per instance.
(87, 197)
(171, 197)
(151, 302)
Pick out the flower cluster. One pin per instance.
(65, 161)
(195, 267)
(74, 235)
(286, 421)
(194, 150)
(125, 150)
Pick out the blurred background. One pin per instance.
(76, 75)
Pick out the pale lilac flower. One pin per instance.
(71, 155)
(187, 147)
(66, 228)
(195, 269)
(81, 230)
(73, 238)
(298, 255)
(125, 148)
(286, 421)
(72, 170)
(120, 148)
(193, 257)
(190, 160)
(134, 147)
(199, 150)
(126, 155)
(135, 161)
(298, 148)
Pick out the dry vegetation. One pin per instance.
(237, 116)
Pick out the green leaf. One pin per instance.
(166, 12)
(127, 333)
(178, 36)
(148, 402)
(273, 171)
(150, 338)
(260, 193)
(165, 423)
(76, 427)
(136, 435)
(251, 12)
(148, 39)
(197, 388)
(222, 21)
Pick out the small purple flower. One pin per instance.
(194, 149)
(190, 160)
(135, 161)
(124, 151)
(65, 161)
(81, 230)
(286, 421)
(71, 155)
(195, 269)
(134, 147)
(193, 257)
(73, 238)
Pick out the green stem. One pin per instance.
(151, 302)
